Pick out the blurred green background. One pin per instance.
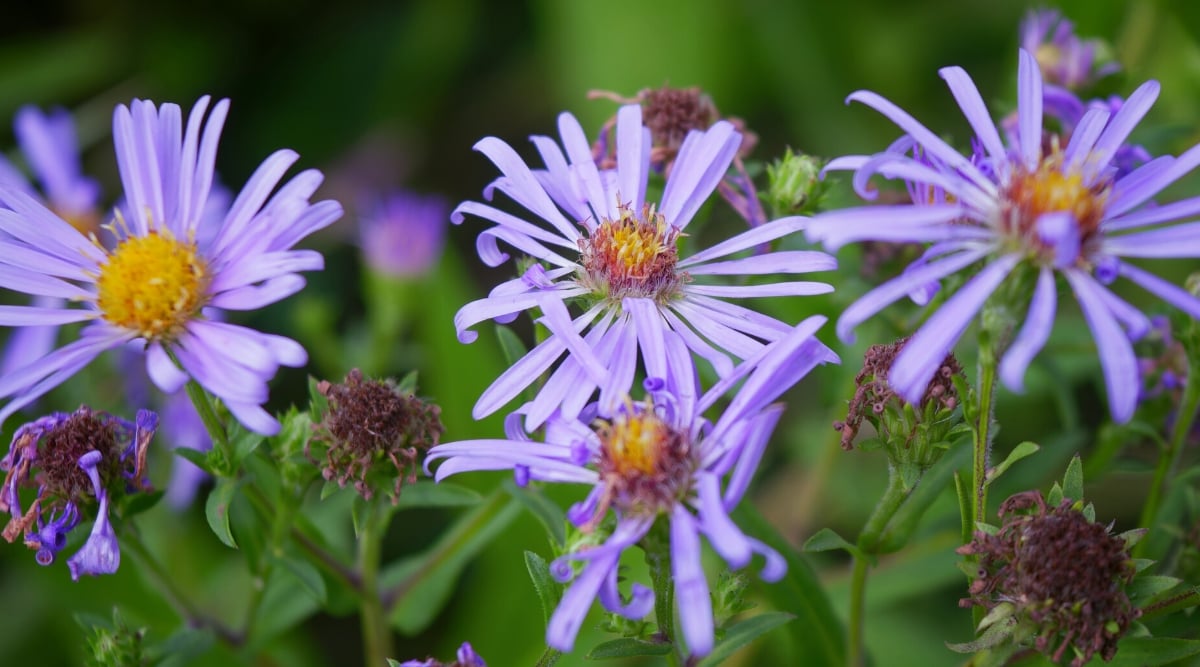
(381, 95)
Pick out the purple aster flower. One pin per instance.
(48, 143)
(73, 461)
(657, 458)
(1056, 211)
(617, 254)
(403, 235)
(466, 657)
(160, 277)
(1064, 59)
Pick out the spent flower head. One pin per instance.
(1056, 577)
(658, 461)
(374, 433)
(1023, 209)
(162, 277)
(912, 434)
(68, 463)
(617, 255)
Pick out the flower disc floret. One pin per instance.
(632, 256)
(1051, 188)
(645, 463)
(152, 284)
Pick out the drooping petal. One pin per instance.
(924, 352)
(1116, 353)
(1032, 337)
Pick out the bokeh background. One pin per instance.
(387, 95)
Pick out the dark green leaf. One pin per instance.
(742, 634)
(1153, 651)
(199, 458)
(183, 647)
(548, 590)
(319, 403)
(818, 634)
(1073, 479)
(510, 345)
(627, 647)
(551, 516)
(1019, 452)
(308, 576)
(423, 584)
(827, 539)
(426, 493)
(1185, 600)
(1146, 587)
(141, 502)
(217, 510)
(243, 443)
(995, 635)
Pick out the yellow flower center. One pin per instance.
(632, 256)
(152, 284)
(634, 443)
(1051, 189)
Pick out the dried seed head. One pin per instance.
(374, 432)
(1065, 574)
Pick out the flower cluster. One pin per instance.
(74, 461)
(619, 255)
(655, 459)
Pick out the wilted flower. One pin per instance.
(1024, 211)
(162, 275)
(659, 458)
(618, 255)
(80, 458)
(1061, 577)
(899, 423)
(374, 432)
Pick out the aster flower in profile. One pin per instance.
(51, 150)
(1027, 212)
(651, 460)
(1064, 59)
(617, 255)
(73, 461)
(162, 277)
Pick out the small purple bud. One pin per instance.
(561, 570)
(521, 475)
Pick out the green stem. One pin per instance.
(983, 429)
(1169, 460)
(377, 636)
(868, 543)
(657, 547)
(855, 652)
(549, 657)
(147, 563)
(321, 557)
